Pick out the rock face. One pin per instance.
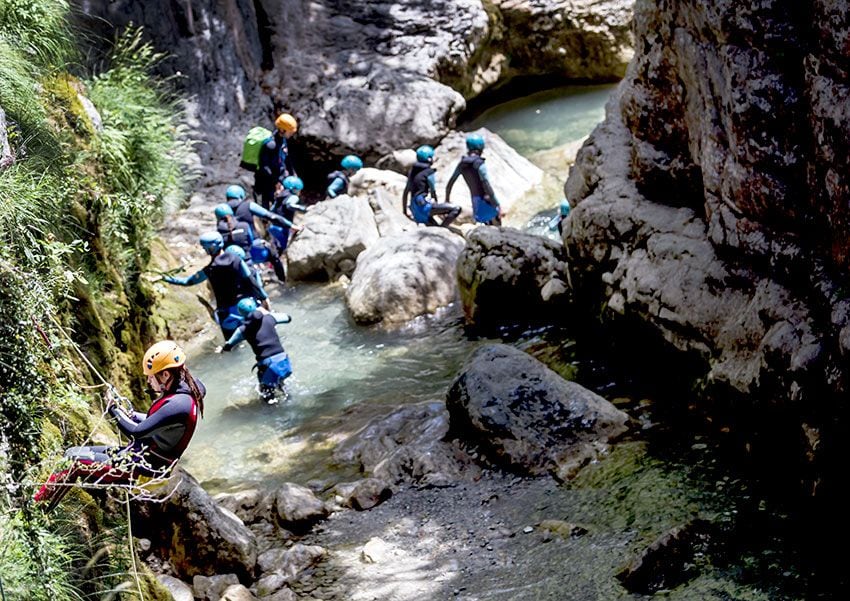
(405, 275)
(193, 533)
(712, 202)
(511, 175)
(506, 276)
(527, 415)
(334, 233)
(364, 75)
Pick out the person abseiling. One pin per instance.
(258, 328)
(421, 184)
(557, 222)
(339, 180)
(485, 205)
(158, 438)
(232, 230)
(245, 210)
(231, 280)
(286, 204)
(275, 161)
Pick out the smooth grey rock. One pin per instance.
(363, 494)
(180, 591)
(375, 551)
(249, 505)
(283, 565)
(334, 232)
(284, 594)
(404, 276)
(528, 416)
(91, 112)
(506, 276)
(192, 533)
(210, 588)
(297, 507)
(237, 592)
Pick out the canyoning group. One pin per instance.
(238, 248)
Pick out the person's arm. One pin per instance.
(258, 211)
(237, 337)
(336, 187)
(404, 195)
(267, 155)
(452, 182)
(259, 292)
(172, 412)
(282, 317)
(432, 186)
(195, 278)
(490, 196)
(294, 202)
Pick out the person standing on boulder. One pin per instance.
(275, 162)
(231, 280)
(286, 204)
(340, 179)
(421, 184)
(258, 328)
(157, 438)
(485, 206)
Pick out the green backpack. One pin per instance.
(251, 147)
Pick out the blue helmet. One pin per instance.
(474, 142)
(425, 154)
(223, 210)
(235, 249)
(235, 191)
(293, 182)
(212, 242)
(351, 162)
(565, 207)
(246, 306)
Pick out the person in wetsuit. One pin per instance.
(339, 180)
(286, 204)
(275, 162)
(231, 280)
(158, 438)
(557, 222)
(233, 231)
(422, 187)
(258, 328)
(485, 205)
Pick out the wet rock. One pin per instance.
(506, 276)
(237, 592)
(375, 551)
(363, 494)
(527, 416)
(511, 174)
(7, 157)
(669, 561)
(334, 233)
(406, 446)
(297, 507)
(194, 534)
(180, 591)
(211, 588)
(403, 276)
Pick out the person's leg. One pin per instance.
(449, 212)
(276, 263)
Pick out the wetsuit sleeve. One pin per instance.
(488, 189)
(432, 186)
(336, 187)
(262, 213)
(451, 183)
(267, 155)
(237, 337)
(293, 203)
(173, 411)
(195, 278)
(282, 317)
(405, 194)
(259, 291)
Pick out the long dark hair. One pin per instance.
(182, 374)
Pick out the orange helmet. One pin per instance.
(163, 355)
(286, 123)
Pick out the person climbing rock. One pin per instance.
(339, 180)
(421, 184)
(485, 205)
(240, 252)
(275, 161)
(286, 204)
(233, 231)
(231, 280)
(158, 438)
(557, 222)
(258, 329)
(245, 210)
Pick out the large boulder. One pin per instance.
(281, 566)
(512, 175)
(526, 416)
(297, 507)
(405, 275)
(334, 232)
(193, 533)
(506, 276)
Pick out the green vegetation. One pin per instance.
(79, 209)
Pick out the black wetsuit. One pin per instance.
(335, 189)
(242, 211)
(237, 232)
(421, 185)
(275, 165)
